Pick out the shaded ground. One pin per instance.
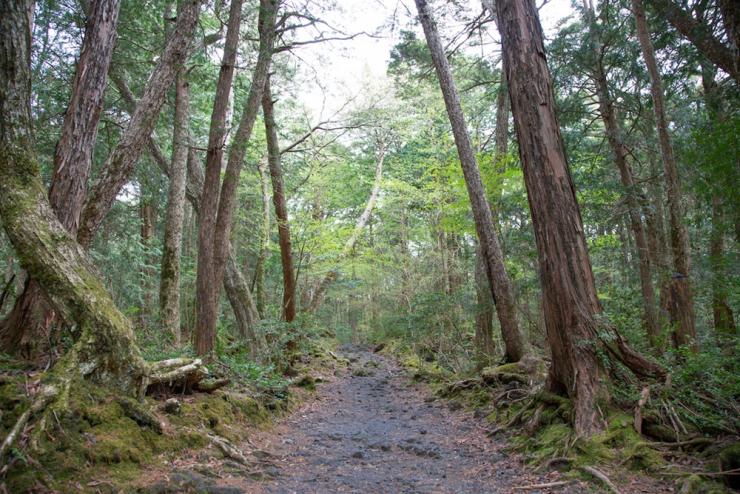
(373, 430)
(370, 429)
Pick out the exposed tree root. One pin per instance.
(53, 397)
(228, 449)
(602, 477)
(47, 394)
(534, 487)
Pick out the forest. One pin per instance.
(422, 246)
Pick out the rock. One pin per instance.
(172, 406)
(139, 414)
(358, 454)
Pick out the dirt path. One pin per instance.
(373, 430)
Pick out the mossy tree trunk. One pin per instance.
(169, 287)
(31, 315)
(106, 351)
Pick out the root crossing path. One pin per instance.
(372, 430)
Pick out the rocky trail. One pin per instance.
(371, 429)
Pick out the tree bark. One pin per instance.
(724, 321)
(683, 304)
(258, 284)
(500, 283)
(106, 351)
(614, 135)
(31, 315)
(281, 205)
(169, 288)
(147, 216)
(484, 314)
(217, 209)
(237, 289)
(698, 33)
(570, 304)
(333, 274)
(122, 160)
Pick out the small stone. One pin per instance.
(358, 455)
(172, 406)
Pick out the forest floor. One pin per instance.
(371, 428)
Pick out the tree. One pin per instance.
(614, 135)
(281, 205)
(570, 303)
(498, 278)
(331, 276)
(700, 35)
(169, 290)
(72, 162)
(681, 298)
(218, 200)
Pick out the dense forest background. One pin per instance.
(356, 221)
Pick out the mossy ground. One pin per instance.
(95, 446)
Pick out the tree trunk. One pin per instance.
(614, 133)
(570, 304)
(31, 316)
(106, 351)
(500, 283)
(207, 285)
(217, 209)
(258, 283)
(683, 305)
(122, 160)
(333, 274)
(237, 289)
(486, 349)
(146, 214)
(697, 32)
(281, 205)
(169, 288)
(724, 322)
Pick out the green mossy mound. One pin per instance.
(99, 437)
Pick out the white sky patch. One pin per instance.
(335, 71)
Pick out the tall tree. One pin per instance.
(72, 161)
(499, 281)
(219, 200)
(124, 156)
(106, 351)
(570, 304)
(169, 289)
(681, 297)
(615, 136)
(700, 35)
(281, 205)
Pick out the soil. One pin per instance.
(371, 429)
